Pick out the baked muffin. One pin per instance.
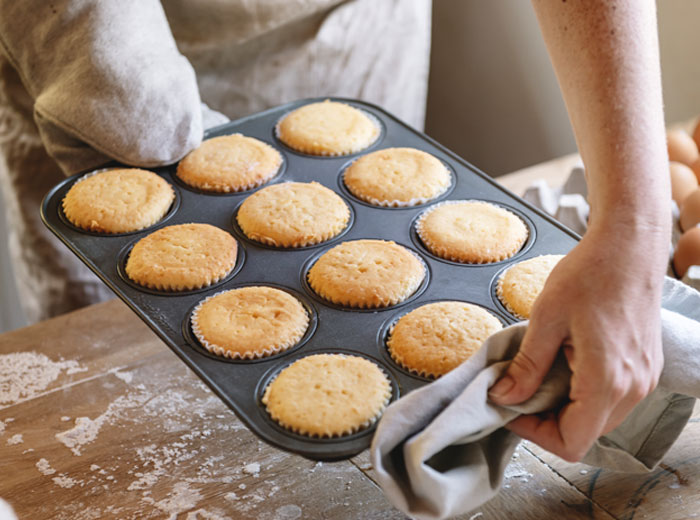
(519, 286)
(435, 338)
(397, 177)
(293, 214)
(119, 200)
(327, 128)
(328, 395)
(229, 163)
(182, 257)
(471, 232)
(366, 274)
(249, 322)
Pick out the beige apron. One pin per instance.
(57, 118)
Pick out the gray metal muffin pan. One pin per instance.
(240, 384)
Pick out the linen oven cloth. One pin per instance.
(441, 450)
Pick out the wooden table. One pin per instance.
(106, 422)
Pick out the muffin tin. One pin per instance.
(240, 383)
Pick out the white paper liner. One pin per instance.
(310, 241)
(363, 426)
(100, 230)
(326, 153)
(439, 251)
(416, 201)
(388, 302)
(233, 189)
(399, 360)
(221, 351)
(501, 298)
(179, 288)
(237, 189)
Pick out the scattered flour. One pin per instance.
(514, 470)
(86, 429)
(44, 467)
(231, 496)
(65, 418)
(179, 500)
(127, 377)
(66, 482)
(23, 375)
(252, 469)
(15, 439)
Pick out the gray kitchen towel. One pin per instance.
(441, 450)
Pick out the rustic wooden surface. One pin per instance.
(115, 426)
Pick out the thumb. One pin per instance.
(529, 366)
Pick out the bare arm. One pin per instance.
(601, 304)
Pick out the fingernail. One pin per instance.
(502, 387)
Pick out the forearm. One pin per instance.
(605, 54)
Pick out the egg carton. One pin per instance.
(568, 205)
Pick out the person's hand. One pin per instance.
(601, 305)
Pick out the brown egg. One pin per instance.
(681, 147)
(687, 251)
(696, 134)
(690, 211)
(683, 182)
(696, 169)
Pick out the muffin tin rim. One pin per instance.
(281, 171)
(192, 340)
(353, 103)
(125, 251)
(269, 375)
(386, 326)
(440, 198)
(74, 179)
(240, 234)
(311, 260)
(527, 245)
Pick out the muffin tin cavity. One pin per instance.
(348, 194)
(317, 297)
(362, 107)
(361, 436)
(385, 330)
(123, 256)
(174, 206)
(240, 383)
(277, 177)
(529, 241)
(192, 340)
(241, 236)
